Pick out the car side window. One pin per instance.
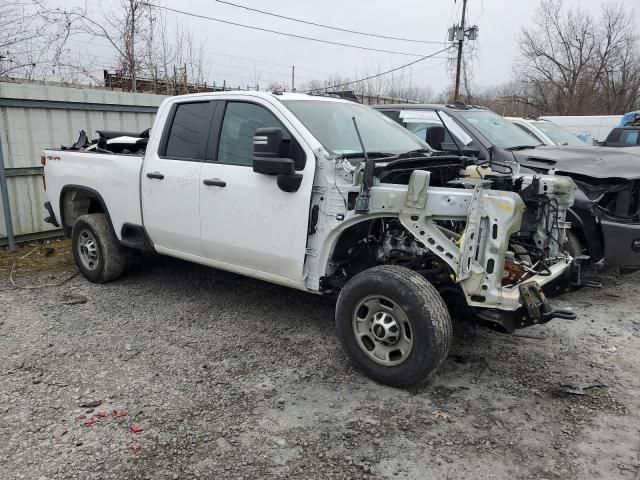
(188, 131)
(629, 137)
(527, 130)
(240, 121)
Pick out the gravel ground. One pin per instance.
(181, 371)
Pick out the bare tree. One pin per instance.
(574, 64)
(32, 38)
(617, 72)
(127, 29)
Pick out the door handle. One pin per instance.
(214, 182)
(157, 175)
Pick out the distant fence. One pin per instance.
(175, 85)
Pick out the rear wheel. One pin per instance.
(394, 325)
(96, 250)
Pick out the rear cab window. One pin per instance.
(186, 137)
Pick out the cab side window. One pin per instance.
(238, 126)
(630, 137)
(186, 137)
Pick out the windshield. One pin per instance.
(559, 135)
(498, 130)
(331, 123)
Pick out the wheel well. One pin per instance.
(75, 202)
(348, 238)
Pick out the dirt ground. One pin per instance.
(178, 371)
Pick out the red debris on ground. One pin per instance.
(119, 413)
(101, 414)
(90, 421)
(136, 428)
(135, 447)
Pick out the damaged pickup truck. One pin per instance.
(329, 197)
(605, 218)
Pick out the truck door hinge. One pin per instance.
(312, 252)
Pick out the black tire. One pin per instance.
(424, 310)
(573, 245)
(96, 250)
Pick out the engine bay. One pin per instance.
(516, 231)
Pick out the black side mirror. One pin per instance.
(267, 145)
(267, 142)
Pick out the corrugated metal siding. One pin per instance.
(28, 127)
(26, 197)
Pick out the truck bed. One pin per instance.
(115, 176)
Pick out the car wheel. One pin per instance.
(394, 325)
(97, 252)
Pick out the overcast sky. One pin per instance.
(499, 22)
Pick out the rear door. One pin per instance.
(170, 182)
(248, 223)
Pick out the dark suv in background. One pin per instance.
(605, 218)
(623, 137)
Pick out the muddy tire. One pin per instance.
(573, 245)
(97, 252)
(394, 325)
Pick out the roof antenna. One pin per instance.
(362, 202)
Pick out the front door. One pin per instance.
(170, 182)
(248, 223)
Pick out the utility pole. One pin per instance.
(456, 91)
(460, 33)
(293, 78)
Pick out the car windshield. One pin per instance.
(331, 123)
(558, 135)
(498, 130)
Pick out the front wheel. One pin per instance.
(394, 325)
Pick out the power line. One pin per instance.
(356, 32)
(382, 73)
(261, 29)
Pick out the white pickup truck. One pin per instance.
(326, 196)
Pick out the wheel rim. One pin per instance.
(382, 330)
(88, 250)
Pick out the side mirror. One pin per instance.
(267, 148)
(267, 142)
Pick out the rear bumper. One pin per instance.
(619, 239)
(52, 216)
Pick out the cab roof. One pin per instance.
(266, 95)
